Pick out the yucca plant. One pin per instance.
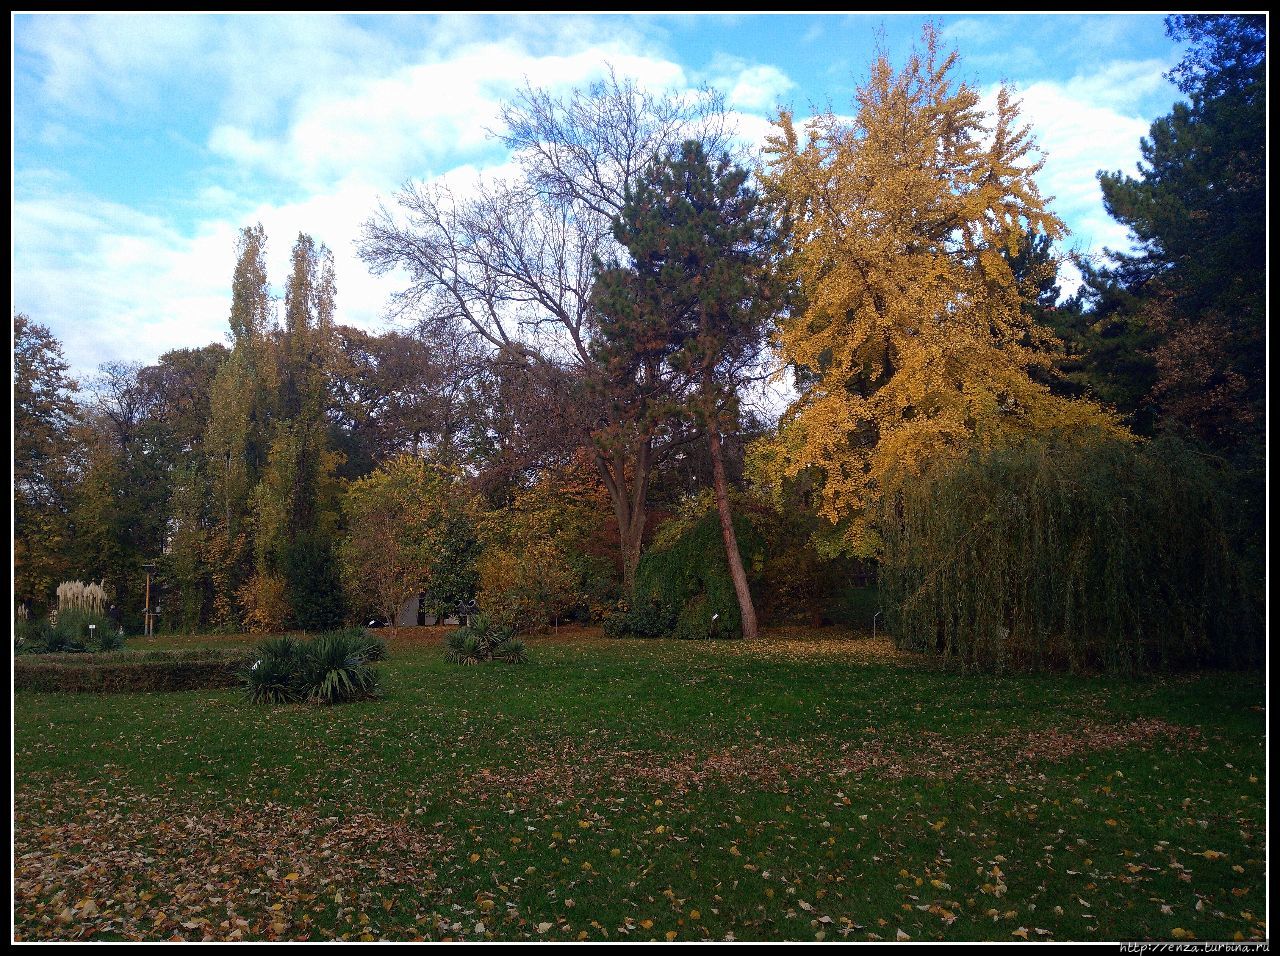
(509, 649)
(339, 668)
(278, 674)
(328, 669)
(483, 640)
(463, 647)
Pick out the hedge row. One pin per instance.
(131, 671)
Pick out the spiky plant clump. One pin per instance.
(330, 668)
(462, 647)
(278, 674)
(511, 650)
(339, 668)
(106, 638)
(484, 640)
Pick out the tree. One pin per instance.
(909, 336)
(511, 264)
(687, 319)
(1196, 214)
(295, 502)
(43, 413)
(237, 440)
(400, 520)
(537, 563)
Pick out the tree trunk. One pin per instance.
(629, 510)
(739, 574)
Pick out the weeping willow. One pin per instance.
(1054, 554)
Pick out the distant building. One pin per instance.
(413, 613)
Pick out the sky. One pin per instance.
(143, 143)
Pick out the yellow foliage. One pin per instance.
(265, 603)
(911, 330)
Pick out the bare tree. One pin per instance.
(511, 262)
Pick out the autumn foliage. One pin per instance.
(910, 344)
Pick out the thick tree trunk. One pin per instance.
(629, 499)
(736, 570)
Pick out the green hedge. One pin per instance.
(131, 671)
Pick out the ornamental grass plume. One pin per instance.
(78, 596)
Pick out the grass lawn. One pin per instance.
(807, 786)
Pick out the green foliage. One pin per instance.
(544, 556)
(31, 636)
(330, 668)
(43, 413)
(410, 528)
(1050, 554)
(484, 640)
(1195, 289)
(277, 676)
(313, 584)
(698, 296)
(683, 588)
(855, 607)
(338, 665)
(453, 577)
(70, 632)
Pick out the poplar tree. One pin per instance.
(295, 503)
(240, 413)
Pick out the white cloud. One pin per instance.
(1084, 126)
(113, 283)
(422, 118)
(748, 86)
(336, 117)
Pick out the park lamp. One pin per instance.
(148, 618)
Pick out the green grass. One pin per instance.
(797, 788)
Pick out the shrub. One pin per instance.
(313, 584)
(265, 600)
(330, 668)
(338, 668)
(683, 585)
(31, 637)
(647, 618)
(855, 607)
(278, 675)
(72, 630)
(484, 640)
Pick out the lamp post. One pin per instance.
(148, 619)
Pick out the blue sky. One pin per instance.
(142, 143)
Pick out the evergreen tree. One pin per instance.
(685, 321)
(1195, 286)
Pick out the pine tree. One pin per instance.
(1196, 211)
(684, 322)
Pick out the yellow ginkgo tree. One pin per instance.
(909, 339)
